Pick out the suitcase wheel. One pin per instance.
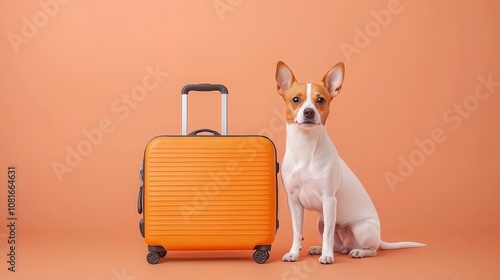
(154, 257)
(260, 257)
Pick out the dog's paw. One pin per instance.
(315, 250)
(344, 251)
(361, 253)
(325, 259)
(290, 257)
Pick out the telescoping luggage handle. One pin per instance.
(203, 87)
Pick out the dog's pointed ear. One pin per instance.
(284, 77)
(334, 78)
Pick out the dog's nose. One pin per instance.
(309, 113)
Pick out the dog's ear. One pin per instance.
(334, 78)
(284, 77)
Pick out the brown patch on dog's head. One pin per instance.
(296, 94)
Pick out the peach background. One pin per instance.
(66, 78)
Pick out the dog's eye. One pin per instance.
(320, 100)
(295, 100)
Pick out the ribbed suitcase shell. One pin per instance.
(210, 192)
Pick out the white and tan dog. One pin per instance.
(316, 178)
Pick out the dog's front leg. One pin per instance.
(297, 214)
(330, 217)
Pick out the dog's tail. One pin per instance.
(399, 245)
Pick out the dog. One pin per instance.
(316, 178)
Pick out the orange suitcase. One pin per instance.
(208, 192)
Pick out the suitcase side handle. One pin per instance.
(203, 87)
(140, 196)
(139, 200)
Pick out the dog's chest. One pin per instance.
(307, 186)
(307, 169)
